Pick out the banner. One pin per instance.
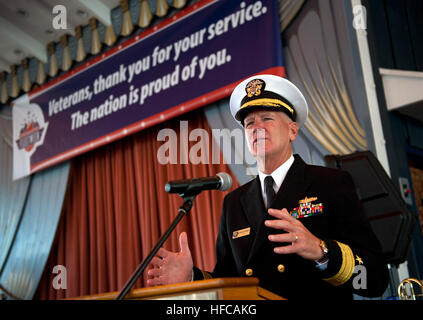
(193, 58)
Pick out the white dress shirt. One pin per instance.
(278, 176)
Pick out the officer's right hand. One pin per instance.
(171, 267)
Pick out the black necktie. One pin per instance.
(268, 190)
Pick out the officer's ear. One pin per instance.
(293, 131)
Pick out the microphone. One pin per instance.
(222, 181)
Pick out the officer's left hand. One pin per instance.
(303, 242)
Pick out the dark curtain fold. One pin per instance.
(116, 209)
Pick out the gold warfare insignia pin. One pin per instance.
(306, 200)
(253, 88)
(306, 209)
(241, 233)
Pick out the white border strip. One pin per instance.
(375, 120)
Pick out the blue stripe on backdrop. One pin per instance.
(12, 197)
(12, 193)
(28, 254)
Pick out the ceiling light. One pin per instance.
(81, 13)
(18, 52)
(22, 12)
(50, 32)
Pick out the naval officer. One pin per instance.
(299, 228)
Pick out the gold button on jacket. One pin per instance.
(281, 268)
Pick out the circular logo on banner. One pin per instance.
(32, 129)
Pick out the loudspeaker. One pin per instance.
(389, 216)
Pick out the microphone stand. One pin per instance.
(183, 210)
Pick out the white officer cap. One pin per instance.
(268, 92)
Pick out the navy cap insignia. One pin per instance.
(254, 87)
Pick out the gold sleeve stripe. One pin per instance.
(206, 275)
(347, 267)
(268, 102)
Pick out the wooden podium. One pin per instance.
(212, 289)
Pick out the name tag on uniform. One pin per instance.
(241, 233)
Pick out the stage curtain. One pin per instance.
(116, 209)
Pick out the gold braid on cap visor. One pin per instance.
(265, 102)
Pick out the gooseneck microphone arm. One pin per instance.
(182, 212)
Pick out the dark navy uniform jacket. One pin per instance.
(355, 261)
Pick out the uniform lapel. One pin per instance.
(292, 189)
(253, 205)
